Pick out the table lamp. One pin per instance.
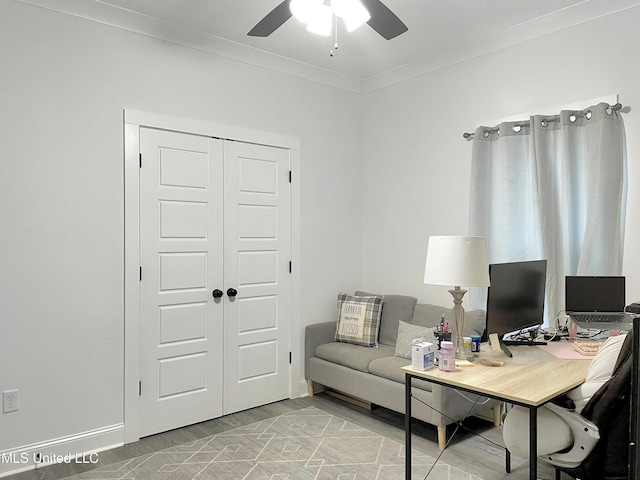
(457, 261)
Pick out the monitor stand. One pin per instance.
(505, 349)
(497, 343)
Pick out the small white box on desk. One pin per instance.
(422, 355)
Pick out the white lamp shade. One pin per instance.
(457, 261)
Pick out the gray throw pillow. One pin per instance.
(407, 332)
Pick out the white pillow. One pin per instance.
(407, 332)
(599, 373)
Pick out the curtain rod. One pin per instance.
(552, 118)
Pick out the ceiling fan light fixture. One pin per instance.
(352, 12)
(305, 10)
(320, 24)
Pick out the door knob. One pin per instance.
(232, 292)
(217, 293)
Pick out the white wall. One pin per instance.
(418, 164)
(63, 88)
(64, 85)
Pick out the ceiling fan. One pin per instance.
(382, 20)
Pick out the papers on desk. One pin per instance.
(463, 363)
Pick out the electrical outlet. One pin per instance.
(9, 401)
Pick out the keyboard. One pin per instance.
(602, 320)
(512, 343)
(600, 317)
(587, 347)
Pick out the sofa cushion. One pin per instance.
(358, 319)
(390, 368)
(352, 356)
(407, 332)
(395, 308)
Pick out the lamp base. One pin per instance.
(458, 316)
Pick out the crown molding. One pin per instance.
(135, 22)
(97, 11)
(563, 19)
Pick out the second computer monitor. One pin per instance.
(515, 300)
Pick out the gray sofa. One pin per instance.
(373, 375)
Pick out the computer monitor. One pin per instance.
(515, 300)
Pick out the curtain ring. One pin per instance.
(609, 110)
(572, 118)
(544, 123)
(485, 133)
(517, 128)
(589, 114)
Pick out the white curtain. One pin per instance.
(554, 188)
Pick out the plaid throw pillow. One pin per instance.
(358, 319)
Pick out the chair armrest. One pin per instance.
(585, 436)
(315, 335)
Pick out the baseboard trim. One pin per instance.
(83, 447)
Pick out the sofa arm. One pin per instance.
(315, 335)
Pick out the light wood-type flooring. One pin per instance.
(467, 450)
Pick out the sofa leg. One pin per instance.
(310, 387)
(497, 415)
(442, 437)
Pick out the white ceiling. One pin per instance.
(441, 32)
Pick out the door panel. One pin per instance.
(257, 360)
(257, 222)
(183, 219)
(173, 380)
(181, 325)
(257, 313)
(257, 246)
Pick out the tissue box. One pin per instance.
(422, 355)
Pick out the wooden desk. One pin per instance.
(530, 379)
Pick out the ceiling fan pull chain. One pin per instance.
(334, 36)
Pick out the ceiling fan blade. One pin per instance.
(274, 20)
(383, 20)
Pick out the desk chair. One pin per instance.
(606, 416)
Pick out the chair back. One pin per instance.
(609, 409)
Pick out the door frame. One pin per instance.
(133, 120)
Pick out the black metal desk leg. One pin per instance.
(533, 443)
(407, 426)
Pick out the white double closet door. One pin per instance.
(215, 277)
